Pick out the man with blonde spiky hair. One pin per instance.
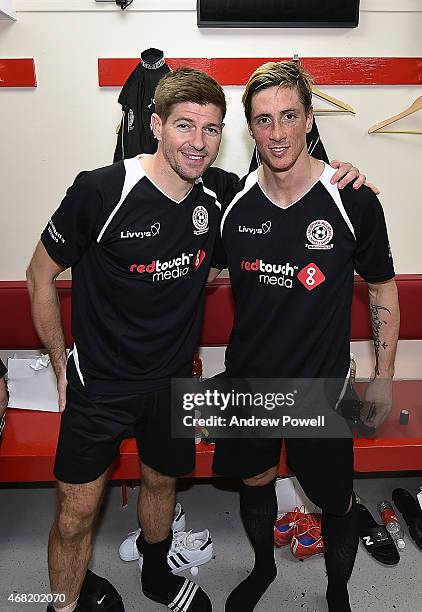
(292, 285)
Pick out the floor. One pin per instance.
(26, 514)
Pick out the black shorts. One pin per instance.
(92, 427)
(323, 466)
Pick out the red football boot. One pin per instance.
(307, 543)
(293, 523)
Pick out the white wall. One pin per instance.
(68, 123)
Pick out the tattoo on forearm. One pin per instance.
(377, 324)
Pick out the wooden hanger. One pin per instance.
(341, 107)
(413, 108)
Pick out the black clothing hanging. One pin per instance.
(137, 100)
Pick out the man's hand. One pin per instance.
(377, 403)
(346, 173)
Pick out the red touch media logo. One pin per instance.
(311, 276)
(270, 273)
(172, 268)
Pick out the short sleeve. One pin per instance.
(3, 369)
(72, 227)
(223, 183)
(373, 259)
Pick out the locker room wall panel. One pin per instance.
(325, 70)
(68, 122)
(17, 73)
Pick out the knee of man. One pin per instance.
(73, 524)
(70, 526)
(339, 510)
(261, 479)
(73, 520)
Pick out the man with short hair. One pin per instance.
(139, 236)
(292, 285)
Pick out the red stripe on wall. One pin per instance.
(325, 70)
(17, 73)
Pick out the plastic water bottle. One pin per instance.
(391, 523)
(198, 429)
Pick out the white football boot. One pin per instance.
(128, 550)
(188, 550)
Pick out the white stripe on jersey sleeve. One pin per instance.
(334, 193)
(134, 173)
(212, 194)
(251, 180)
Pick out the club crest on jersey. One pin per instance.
(319, 234)
(264, 229)
(200, 220)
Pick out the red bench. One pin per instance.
(29, 440)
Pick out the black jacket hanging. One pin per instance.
(315, 148)
(137, 100)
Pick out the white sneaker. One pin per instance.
(128, 550)
(187, 550)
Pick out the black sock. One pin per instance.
(161, 585)
(98, 589)
(341, 538)
(258, 508)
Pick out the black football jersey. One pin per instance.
(291, 272)
(139, 264)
